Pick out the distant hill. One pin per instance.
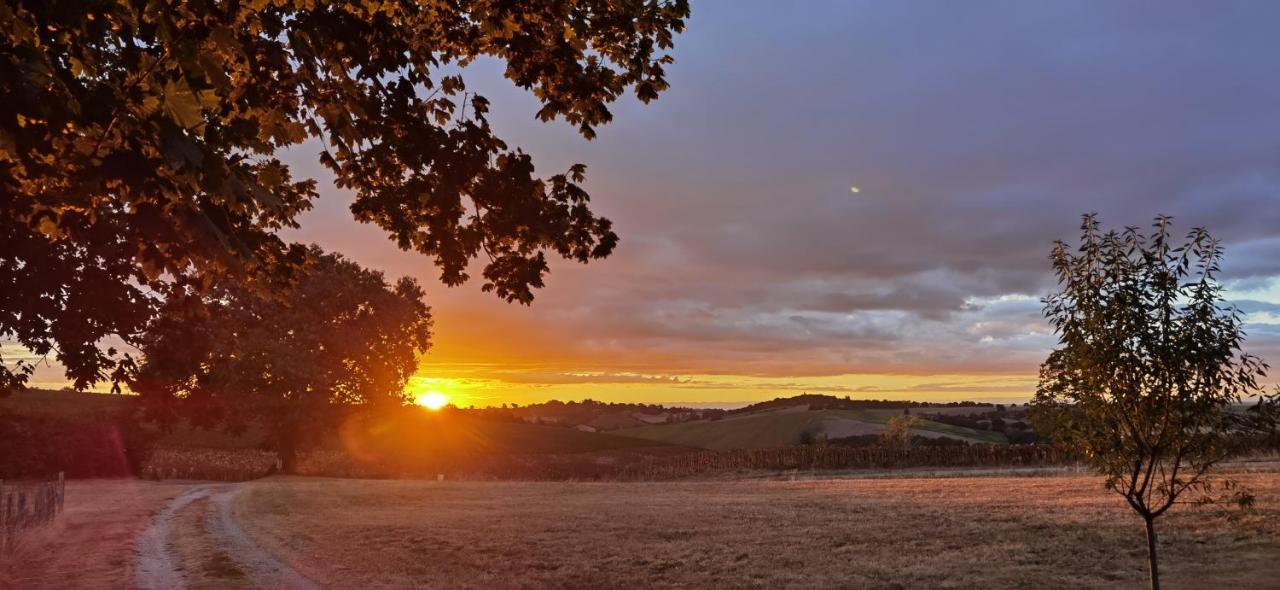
(819, 401)
(606, 416)
(785, 425)
(562, 427)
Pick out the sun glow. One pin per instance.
(431, 400)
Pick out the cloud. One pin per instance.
(554, 378)
(976, 133)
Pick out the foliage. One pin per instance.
(898, 435)
(105, 445)
(139, 144)
(1149, 373)
(338, 334)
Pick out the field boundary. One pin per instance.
(27, 504)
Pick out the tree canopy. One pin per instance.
(1149, 382)
(139, 144)
(336, 334)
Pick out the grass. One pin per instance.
(772, 429)
(205, 564)
(883, 416)
(1052, 532)
(779, 428)
(511, 437)
(91, 544)
(892, 531)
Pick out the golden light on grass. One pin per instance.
(431, 400)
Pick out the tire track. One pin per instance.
(157, 567)
(264, 569)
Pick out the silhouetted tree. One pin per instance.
(1148, 374)
(138, 145)
(338, 334)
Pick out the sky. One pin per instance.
(977, 133)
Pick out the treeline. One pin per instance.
(596, 414)
(1012, 422)
(818, 401)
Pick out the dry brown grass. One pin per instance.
(91, 544)
(919, 532)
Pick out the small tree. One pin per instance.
(337, 334)
(1148, 381)
(899, 434)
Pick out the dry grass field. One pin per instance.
(1064, 532)
(890, 530)
(91, 544)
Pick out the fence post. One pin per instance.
(62, 491)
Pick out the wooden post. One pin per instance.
(62, 491)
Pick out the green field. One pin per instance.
(781, 428)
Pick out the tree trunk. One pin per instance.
(288, 459)
(1151, 552)
(287, 448)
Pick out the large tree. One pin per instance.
(336, 334)
(139, 143)
(1148, 383)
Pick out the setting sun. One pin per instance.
(431, 400)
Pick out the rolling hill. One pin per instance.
(776, 423)
(784, 426)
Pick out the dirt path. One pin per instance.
(158, 565)
(155, 566)
(265, 571)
